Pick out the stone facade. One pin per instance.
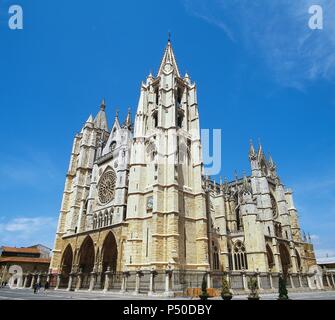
(136, 199)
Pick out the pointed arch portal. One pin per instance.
(86, 256)
(66, 265)
(109, 253)
(285, 259)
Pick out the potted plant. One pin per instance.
(253, 287)
(225, 292)
(282, 289)
(204, 294)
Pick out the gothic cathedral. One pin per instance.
(136, 201)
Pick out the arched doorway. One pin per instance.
(86, 260)
(66, 266)
(270, 257)
(284, 258)
(109, 255)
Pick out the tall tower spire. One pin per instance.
(100, 120)
(169, 62)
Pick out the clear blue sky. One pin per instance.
(260, 71)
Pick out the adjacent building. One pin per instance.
(23, 262)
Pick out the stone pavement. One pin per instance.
(28, 294)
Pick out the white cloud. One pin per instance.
(278, 32)
(24, 231)
(323, 253)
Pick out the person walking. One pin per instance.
(46, 287)
(35, 287)
(39, 286)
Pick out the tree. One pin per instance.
(283, 294)
(225, 292)
(253, 287)
(204, 294)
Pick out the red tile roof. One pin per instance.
(25, 260)
(21, 250)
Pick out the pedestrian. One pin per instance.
(46, 287)
(35, 287)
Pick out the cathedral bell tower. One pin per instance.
(166, 211)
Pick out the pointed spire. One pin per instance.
(244, 177)
(221, 184)
(271, 162)
(169, 58)
(90, 119)
(252, 152)
(103, 105)
(226, 186)
(187, 78)
(260, 149)
(127, 123)
(150, 78)
(100, 120)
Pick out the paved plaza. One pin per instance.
(28, 294)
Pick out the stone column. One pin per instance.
(259, 283)
(69, 285)
(125, 276)
(300, 280)
(32, 281)
(137, 282)
(209, 282)
(332, 277)
(271, 280)
(168, 276)
(276, 255)
(92, 281)
(228, 276)
(327, 278)
(58, 281)
(107, 280)
(291, 280)
(244, 280)
(153, 274)
(79, 280)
